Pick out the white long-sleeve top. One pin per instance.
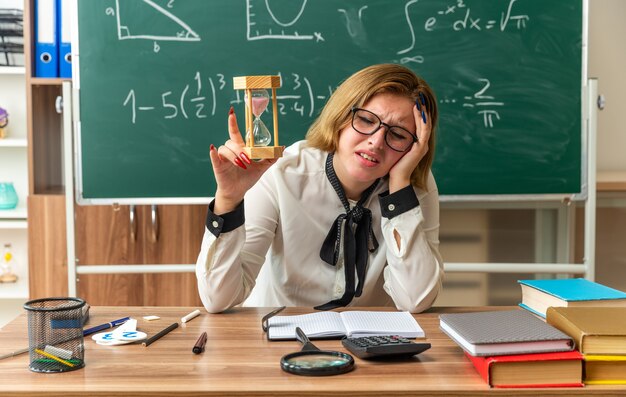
(274, 260)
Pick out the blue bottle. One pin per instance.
(8, 196)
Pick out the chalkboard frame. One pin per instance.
(577, 196)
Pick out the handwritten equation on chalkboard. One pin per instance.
(201, 96)
(195, 101)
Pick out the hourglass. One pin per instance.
(260, 135)
(257, 99)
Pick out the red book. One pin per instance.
(562, 369)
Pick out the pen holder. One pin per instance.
(55, 334)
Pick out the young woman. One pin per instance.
(350, 216)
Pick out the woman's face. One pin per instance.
(361, 159)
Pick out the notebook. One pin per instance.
(538, 295)
(330, 324)
(506, 332)
(596, 330)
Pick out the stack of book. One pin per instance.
(600, 335)
(514, 348)
(538, 295)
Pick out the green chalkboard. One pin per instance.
(155, 84)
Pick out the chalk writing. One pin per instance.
(276, 27)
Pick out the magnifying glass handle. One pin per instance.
(306, 343)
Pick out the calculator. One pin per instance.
(390, 346)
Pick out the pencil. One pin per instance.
(159, 335)
(55, 358)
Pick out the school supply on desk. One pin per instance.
(506, 332)
(190, 316)
(46, 39)
(85, 316)
(101, 327)
(329, 324)
(389, 346)
(604, 370)
(53, 357)
(531, 370)
(538, 295)
(126, 333)
(200, 343)
(159, 335)
(596, 330)
(74, 322)
(46, 343)
(311, 361)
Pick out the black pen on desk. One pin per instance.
(199, 346)
(100, 327)
(159, 335)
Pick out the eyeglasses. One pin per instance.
(367, 123)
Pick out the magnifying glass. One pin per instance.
(311, 361)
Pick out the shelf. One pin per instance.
(611, 181)
(48, 80)
(15, 70)
(13, 224)
(13, 142)
(18, 213)
(17, 290)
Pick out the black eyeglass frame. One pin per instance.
(380, 124)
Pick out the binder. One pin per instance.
(46, 44)
(64, 38)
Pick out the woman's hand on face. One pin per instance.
(234, 172)
(400, 173)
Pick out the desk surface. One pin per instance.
(240, 360)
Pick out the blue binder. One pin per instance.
(46, 44)
(64, 39)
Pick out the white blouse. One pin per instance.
(275, 259)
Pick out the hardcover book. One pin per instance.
(596, 330)
(538, 295)
(349, 323)
(605, 370)
(531, 370)
(506, 332)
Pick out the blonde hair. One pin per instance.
(359, 88)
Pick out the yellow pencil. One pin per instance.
(43, 353)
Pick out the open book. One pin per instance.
(349, 323)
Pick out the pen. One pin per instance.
(199, 346)
(417, 102)
(100, 327)
(159, 335)
(190, 316)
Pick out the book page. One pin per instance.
(314, 325)
(365, 323)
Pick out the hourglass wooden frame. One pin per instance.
(250, 83)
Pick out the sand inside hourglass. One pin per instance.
(259, 104)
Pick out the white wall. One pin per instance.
(607, 62)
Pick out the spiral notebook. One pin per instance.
(334, 325)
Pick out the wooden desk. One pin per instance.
(240, 360)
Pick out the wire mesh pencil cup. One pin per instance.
(55, 334)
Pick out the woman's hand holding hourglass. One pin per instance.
(234, 172)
